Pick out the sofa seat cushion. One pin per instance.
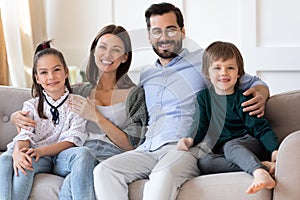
(136, 189)
(225, 186)
(46, 187)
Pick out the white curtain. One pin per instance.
(3, 58)
(18, 17)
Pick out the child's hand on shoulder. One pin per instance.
(184, 144)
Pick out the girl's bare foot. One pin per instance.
(262, 179)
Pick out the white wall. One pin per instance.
(73, 24)
(266, 31)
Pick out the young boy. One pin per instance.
(238, 141)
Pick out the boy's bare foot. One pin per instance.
(262, 179)
(270, 166)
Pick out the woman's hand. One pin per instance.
(21, 161)
(85, 107)
(184, 144)
(21, 120)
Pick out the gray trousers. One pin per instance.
(166, 168)
(240, 154)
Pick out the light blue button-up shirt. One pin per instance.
(170, 92)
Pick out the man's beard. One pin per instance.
(166, 54)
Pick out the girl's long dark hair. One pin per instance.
(36, 89)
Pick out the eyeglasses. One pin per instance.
(158, 32)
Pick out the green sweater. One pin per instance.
(137, 116)
(222, 119)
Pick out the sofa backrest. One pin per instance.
(283, 113)
(11, 100)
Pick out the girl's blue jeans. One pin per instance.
(19, 187)
(76, 164)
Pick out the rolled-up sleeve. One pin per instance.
(77, 133)
(247, 81)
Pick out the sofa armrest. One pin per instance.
(287, 169)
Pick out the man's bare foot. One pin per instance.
(262, 179)
(270, 166)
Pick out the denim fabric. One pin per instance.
(6, 173)
(102, 150)
(246, 153)
(19, 187)
(77, 164)
(240, 154)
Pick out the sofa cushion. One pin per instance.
(11, 100)
(50, 184)
(282, 111)
(225, 186)
(136, 189)
(46, 186)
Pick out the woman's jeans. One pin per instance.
(77, 164)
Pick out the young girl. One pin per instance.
(239, 141)
(33, 151)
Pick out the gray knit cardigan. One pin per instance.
(135, 125)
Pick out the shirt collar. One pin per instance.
(57, 102)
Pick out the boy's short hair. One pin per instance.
(222, 51)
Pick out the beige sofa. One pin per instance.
(283, 112)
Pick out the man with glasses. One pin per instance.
(170, 89)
